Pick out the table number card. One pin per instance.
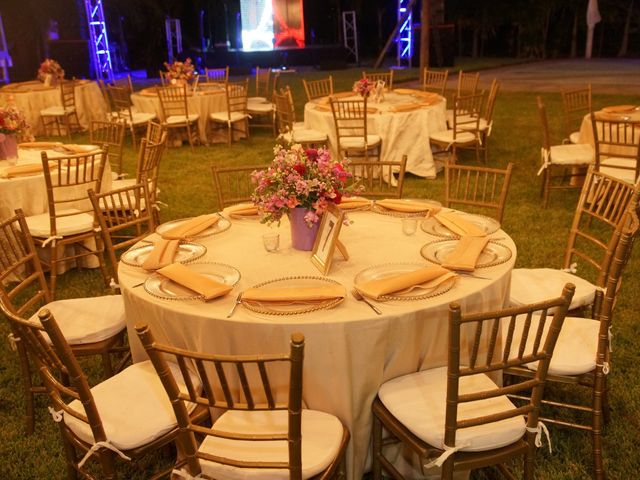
(327, 239)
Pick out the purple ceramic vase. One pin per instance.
(302, 236)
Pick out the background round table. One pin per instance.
(350, 351)
(402, 132)
(33, 96)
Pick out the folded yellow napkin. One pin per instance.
(406, 206)
(324, 108)
(205, 286)
(39, 145)
(343, 94)
(75, 148)
(161, 255)
(407, 107)
(459, 225)
(295, 294)
(466, 253)
(619, 109)
(405, 91)
(191, 227)
(241, 210)
(351, 203)
(426, 278)
(23, 170)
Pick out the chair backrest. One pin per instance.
(233, 382)
(481, 188)
(121, 101)
(466, 334)
(124, 82)
(378, 179)
(576, 103)
(467, 83)
(154, 132)
(263, 82)
(68, 179)
(109, 133)
(237, 97)
(68, 93)
(216, 75)
(173, 100)
(350, 118)
(434, 81)
(597, 223)
(163, 77)
(148, 166)
(233, 184)
(491, 101)
(544, 122)
(617, 145)
(124, 217)
(467, 111)
(285, 110)
(318, 88)
(19, 261)
(386, 77)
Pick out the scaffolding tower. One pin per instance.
(174, 37)
(5, 58)
(350, 33)
(404, 39)
(100, 55)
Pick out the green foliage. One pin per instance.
(185, 183)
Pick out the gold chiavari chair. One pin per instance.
(233, 185)
(386, 77)
(617, 146)
(576, 103)
(236, 112)
(318, 88)
(378, 179)
(350, 120)
(109, 133)
(124, 111)
(65, 114)
(435, 81)
(175, 111)
(216, 75)
(288, 128)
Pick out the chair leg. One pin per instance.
(106, 365)
(596, 432)
(67, 125)
(376, 467)
(546, 179)
(53, 269)
(27, 384)
(189, 136)
(133, 137)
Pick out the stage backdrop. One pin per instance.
(268, 24)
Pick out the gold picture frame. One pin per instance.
(327, 238)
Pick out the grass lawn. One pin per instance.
(185, 183)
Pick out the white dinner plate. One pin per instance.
(220, 226)
(432, 226)
(492, 254)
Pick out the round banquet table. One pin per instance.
(586, 128)
(350, 351)
(206, 100)
(33, 96)
(403, 132)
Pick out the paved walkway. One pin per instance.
(620, 76)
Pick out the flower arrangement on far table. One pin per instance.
(299, 177)
(363, 87)
(12, 121)
(50, 69)
(176, 71)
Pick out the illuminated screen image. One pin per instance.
(271, 23)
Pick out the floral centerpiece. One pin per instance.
(299, 181)
(50, 71)
(363, 87)
(180, 71)
(12, 122)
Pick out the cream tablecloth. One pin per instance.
(32, 97)
(402, 132)
(203, 103)
(350, 351)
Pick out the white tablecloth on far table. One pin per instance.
(350, 351)
(204, 102)
(402, 133)
(32, 97)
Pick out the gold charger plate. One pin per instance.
(493, 254)
(292, 308)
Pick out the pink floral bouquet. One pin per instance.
(299, 178)
(363, 87)
(52, 68)
(180, 70)
(12, 121)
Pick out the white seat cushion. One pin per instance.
(358, 142)
(446, 136)
(321, 438)
(140, 118)
(611, 166)
(576, 348)
(223, 117)
(176, 119)
(309, 136)
(531, 285)
(39, 225)
(418, 400)
(574, 137)
(572, 154)
(88, 320)
(257, 100)
(260, 107)
(123, 183)
(57, 111)
(133, 406)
